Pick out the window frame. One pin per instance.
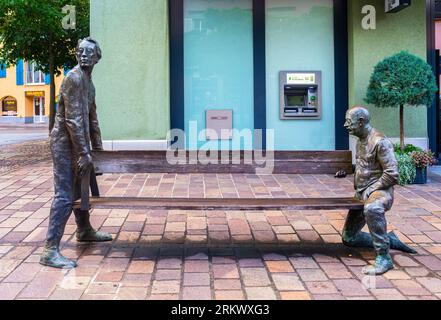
(32, 72)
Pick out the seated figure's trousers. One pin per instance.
(374, 215)
(62, 205)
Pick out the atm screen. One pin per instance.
(295, 101)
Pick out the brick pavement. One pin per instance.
(216, 255)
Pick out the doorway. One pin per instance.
(39, 110)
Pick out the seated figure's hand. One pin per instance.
(341, 174)
(84, 165)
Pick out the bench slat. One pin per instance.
(240, 204)
(289, 162)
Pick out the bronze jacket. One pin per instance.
(76, 124)
(377, 166)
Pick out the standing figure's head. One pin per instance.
(88, 53)
(358, 121)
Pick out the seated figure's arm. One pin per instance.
(389, 163)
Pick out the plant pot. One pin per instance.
(421, 176)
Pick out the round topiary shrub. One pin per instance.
(402, 80)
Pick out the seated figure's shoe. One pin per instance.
(52, 258)
(383, 263)
(92, 235)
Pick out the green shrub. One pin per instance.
(408, 148)
(406, 168)
(402, 80)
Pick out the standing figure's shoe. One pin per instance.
(383, 263)
(92, 235)
(51, 257)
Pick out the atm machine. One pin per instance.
(300, 95)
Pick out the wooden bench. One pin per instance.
(135, 162)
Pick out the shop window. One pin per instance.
(33, 75)
(9, 107)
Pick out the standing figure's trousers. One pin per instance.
(62, 205)
(374, 215)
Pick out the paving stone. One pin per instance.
(255, 277)
(351, 287)
(287, 282)
(321, 287)
(196, 266)
(165, 287)
(9, 291)
(388, 294)
(131, 293)
(303, 263)
(24, 273)
(197, 293)
(279, 266)
(303, 295)
(229, 295)
(431, 284)
(225, 271)
(196, 279)
(312, 275)
(410, 288)
(263, 293)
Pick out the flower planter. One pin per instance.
(421, 176)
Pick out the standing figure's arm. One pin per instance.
(95, 131)
(74, 114)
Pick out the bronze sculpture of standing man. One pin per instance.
(376, 174)
(75, 134)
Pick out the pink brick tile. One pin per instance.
(197, 293)
(263, 293)
(196, 266)
(165, 287)
(255, 277)
(229, 295)
(227, 284)
(8, 291)
(350, 287)
(226, 271)
(196, 279)
(321, 288)
(279, 266)
(24, 273)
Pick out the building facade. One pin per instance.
(289, 68)
(25, 94)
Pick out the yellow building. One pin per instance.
(25, 94)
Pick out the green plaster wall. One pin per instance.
(405, 30)
(132, 79)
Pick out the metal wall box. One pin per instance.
(219, 124)
(300, 95)
(393, 6)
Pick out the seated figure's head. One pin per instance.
(357, 121)
(88, 52)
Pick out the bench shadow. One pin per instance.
(153, 250)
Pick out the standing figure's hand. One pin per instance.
(84, 164)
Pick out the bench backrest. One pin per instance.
(246, 162)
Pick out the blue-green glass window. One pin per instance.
(300, 37)
(218, 55)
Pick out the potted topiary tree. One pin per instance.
(399, 81)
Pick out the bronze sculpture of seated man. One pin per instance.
(376, 174)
